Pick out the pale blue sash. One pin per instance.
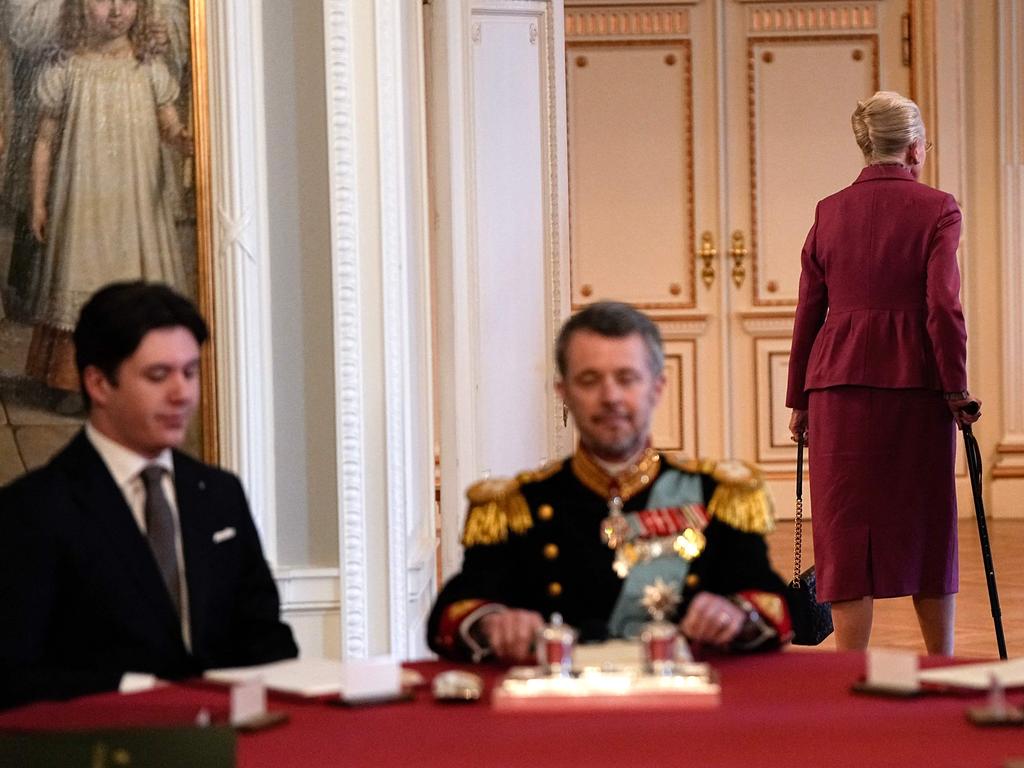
(672, 489)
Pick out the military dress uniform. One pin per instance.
(540, 542)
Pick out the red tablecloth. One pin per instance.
(787, 709)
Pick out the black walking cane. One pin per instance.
(974, 470)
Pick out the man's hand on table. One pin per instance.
(510, 634)
(712, 619)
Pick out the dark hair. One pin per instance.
(114, 321)
(616, 320)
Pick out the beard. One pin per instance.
(619, 444)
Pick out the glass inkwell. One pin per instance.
(556, 642)
(663, 646)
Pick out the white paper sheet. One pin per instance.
(977, 676)
(302, 677)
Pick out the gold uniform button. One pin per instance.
(692, 580)
(550, 551)
(545, 512)
(554, 589)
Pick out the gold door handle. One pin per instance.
(738, 252)
(708, 253)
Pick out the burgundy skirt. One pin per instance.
(883, 497)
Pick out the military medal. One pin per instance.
(640, 537)
(615, 532)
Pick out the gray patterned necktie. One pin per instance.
(160, 531)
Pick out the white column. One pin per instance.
(405, 307)
(381, 325)
(347, 327)
(239, 259)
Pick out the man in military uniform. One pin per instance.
(585, 536)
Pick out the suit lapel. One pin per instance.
(103, 503)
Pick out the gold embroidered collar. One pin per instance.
(628, 483)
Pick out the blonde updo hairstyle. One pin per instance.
(885, 125)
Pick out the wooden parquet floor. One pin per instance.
(895, 625)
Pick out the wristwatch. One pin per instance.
(755, 629)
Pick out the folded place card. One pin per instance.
(374, 678)
(137, 682)
(890, 669)
(248, 701)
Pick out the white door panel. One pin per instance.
(631, 135)
(728, 117)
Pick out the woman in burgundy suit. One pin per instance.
(878, 379)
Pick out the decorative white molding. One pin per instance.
(349, 404)
(311, 606)
(674, 425)
(308, 589)
(675, 328)
(557, 161)
(770, 416)
(810, 18)
(637, 22)
(241, 278)
(628, 3)
(767, 325)
(391, 311)
(1011, 163)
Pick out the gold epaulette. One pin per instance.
(741, 499)
(679, 461)
(542, 472)
(496, 506)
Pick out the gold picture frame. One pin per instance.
(209, 433)
(33, 425)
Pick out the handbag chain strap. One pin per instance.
(798, 527)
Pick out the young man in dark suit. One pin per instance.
(123, 555)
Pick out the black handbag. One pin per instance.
(812, 621)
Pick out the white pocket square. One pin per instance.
(223, 535)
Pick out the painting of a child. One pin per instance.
(100, 203)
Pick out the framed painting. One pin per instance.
(104, 177)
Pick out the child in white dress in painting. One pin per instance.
(100, 201)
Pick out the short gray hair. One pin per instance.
(612, 319)
(885, 125)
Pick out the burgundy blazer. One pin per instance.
(880, 290)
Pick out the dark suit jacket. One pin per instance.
(81, 598)
(880, 290)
